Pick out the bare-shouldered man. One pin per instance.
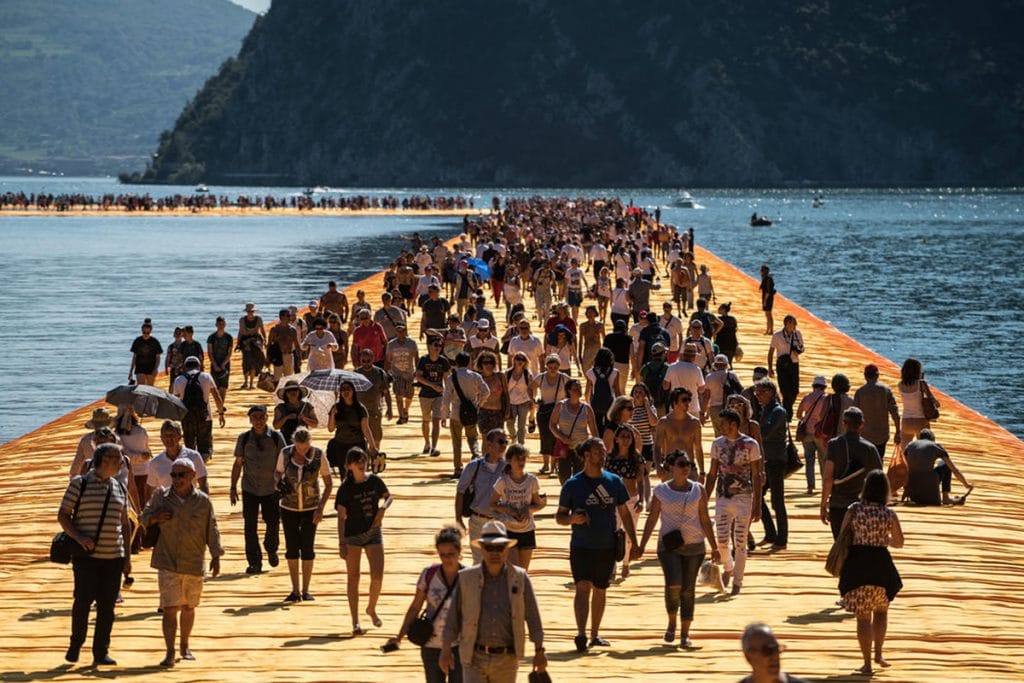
(679, 430)
(287, 339)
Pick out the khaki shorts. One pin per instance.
(430, 408)
(179, 590)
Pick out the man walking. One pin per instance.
(877, 403)
(478, 481)
(588, 502)
(848, 460)
(287, 339)
(464, 392)
(400, 361)
(188, 526)
(194, 388)
(255, 460)
(430, 373)
(146, 352)
(491, 607)
(158, 473)
(735, 474)
(380, 388)
(774, 421)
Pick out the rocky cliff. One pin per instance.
(612, 93)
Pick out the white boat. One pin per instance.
(202, 189)
(685, 200)
(818, 202)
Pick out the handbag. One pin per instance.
(801, 426)
(63, 548)
(470, 493)
(266, 382)
(468, 413)
(826, 428)
(840, 550)
(562, 449)
(673, 540)
(898, 472)
(793, 462)
(421, 630)
(929, 404)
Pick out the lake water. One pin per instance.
(933, 274)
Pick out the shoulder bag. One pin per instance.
(421, 630)
(929, 404)
(468, 413)
(840, 550)
(562, 449)
(63, 548)
(470, 493)
(793, 462)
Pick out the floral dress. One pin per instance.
(869, 574)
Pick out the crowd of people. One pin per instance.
(617, 403)
(204, 201)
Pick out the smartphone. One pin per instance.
(388, 647)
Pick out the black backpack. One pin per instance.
(731, 385)
(193, 397)
(602, 397)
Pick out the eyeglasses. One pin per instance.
(179, 475)
(684, 399)
(501, 442)
(489, 548)
(767, 649)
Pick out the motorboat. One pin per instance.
(760, 221)
(685, 200)
(818, 202)
(202, 189)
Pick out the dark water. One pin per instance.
(932, 274)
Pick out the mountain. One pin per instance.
(87, 84)
(612, 93)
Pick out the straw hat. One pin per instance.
(250, 307)
(100, 418)
(288, 386)
(493, 533)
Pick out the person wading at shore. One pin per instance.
(146, 352)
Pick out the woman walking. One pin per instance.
(624, 459)
(572, 422)
(515, 498)
(349, 420)
(869, 580)
(682, 506)
(495, 408)
(434, 587)
(591, 335)
(602, 384)
(300, 469)
(360, 515)
(250, 341)
(726, 337)
(520, 396)
(551, 384)
(913, 393)
(644, 420)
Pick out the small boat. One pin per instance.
(818, 202)
(759, 221)
(202, 189)
(685, 200)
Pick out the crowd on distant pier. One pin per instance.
(609, 354)
(204, 201)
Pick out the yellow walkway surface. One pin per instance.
(960, 616)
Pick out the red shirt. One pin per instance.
(369, 337)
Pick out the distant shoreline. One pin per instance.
(238, 211)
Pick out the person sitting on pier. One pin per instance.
(925, 479)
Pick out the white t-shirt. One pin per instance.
(620, 301)
(424, 259)
(159, 473)
(784, 343)
(135, 445)
(423, 284)
(715, 382)
(435, 594)
(531, 346)
(518, 390)
(599, 252)
(683, 374)
(320, 356)
(518, 495)
(680, 510)
(574, 279)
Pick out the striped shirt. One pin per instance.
(110, 544)
(641, 420)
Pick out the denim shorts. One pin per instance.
(370, 537)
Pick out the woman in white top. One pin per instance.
(682, 505)
(912, 394)
(515, 498)
(434, 587)
(520, 398)
(603, 289)
(320, 344)
(620, 301)
(134, 440)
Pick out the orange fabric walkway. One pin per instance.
(960, 615)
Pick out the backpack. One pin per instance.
(601, 400)
(654, 380)
(193, 397)
(731, 385)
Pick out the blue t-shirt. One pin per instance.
(599, 497)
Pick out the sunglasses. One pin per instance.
(767, 649)
(501, 442)
(179, 475)
(684, 399)
(489, 548)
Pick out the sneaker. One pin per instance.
(581, 643)
(426, 450)
(293, 597)
(253, 570)
(434, 453)
(307, 596)
(272, 559)
(597, 641)
(105, 660)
